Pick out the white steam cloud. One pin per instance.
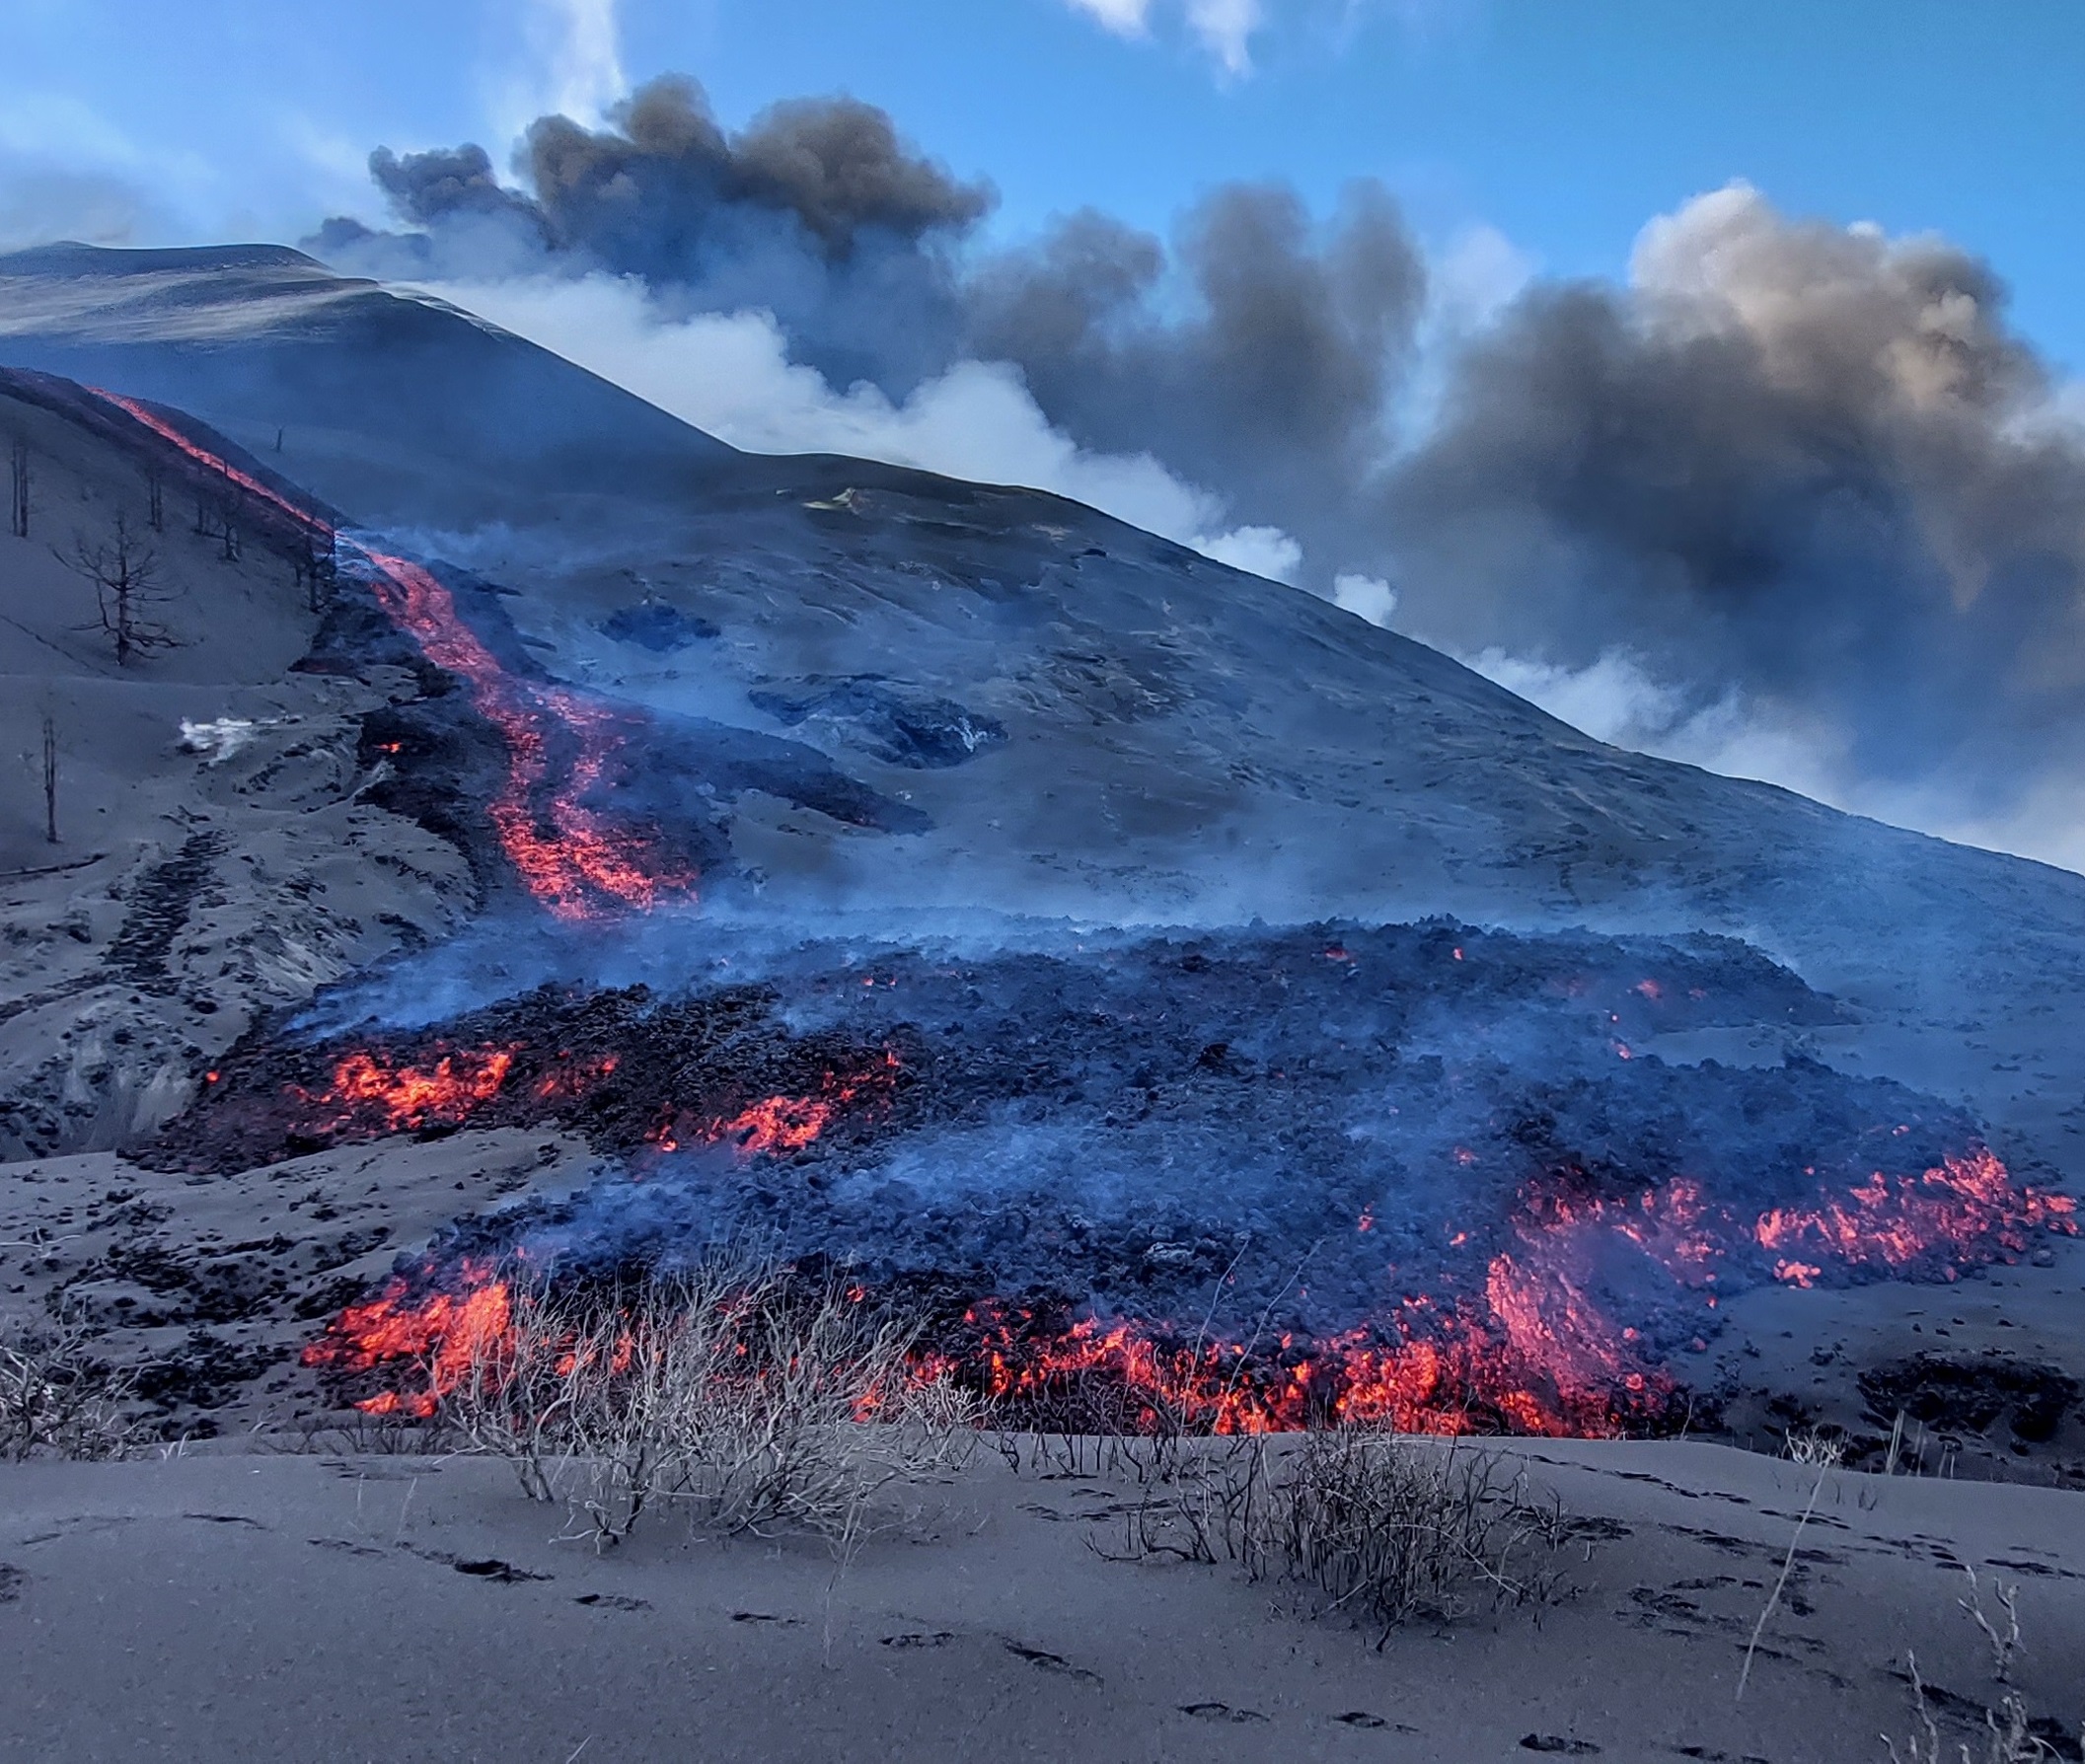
(574, 60)
(1368, 597)
(729, 373)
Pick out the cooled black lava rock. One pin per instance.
(1970, 1396)
(900, 730)
(655, 626)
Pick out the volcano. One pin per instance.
(1197, 997)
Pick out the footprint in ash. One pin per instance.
(1366, 1720)
(1220, 1712)
(1045, 1661)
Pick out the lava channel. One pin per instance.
(561, 745)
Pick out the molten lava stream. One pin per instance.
(569, 856)
(224, 469)
(369, 1093)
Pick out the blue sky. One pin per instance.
(1563, 124)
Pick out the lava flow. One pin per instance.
(371, 1095)
(1939, 1219)
(561, 745)
(569, 856)
(778, 1124)
(1532, 1346)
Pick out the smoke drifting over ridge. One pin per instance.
(816, 213)
(1794, 500)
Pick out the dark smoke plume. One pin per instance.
(1799, 476)
(1275, 385)
(1798, 462)
(817, 213)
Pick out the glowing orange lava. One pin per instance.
(444, 1333)
(569, 856)
(777, 1124)
(1534, 1352)
(371, 1093)
(1961, 1207)
(244, 480)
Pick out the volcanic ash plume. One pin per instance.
(1798, 483)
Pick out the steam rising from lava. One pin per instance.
(1539, 1352)
(1756, 506)
(1528, 1233)
(1423, 1174)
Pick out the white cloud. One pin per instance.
(1224, 28)
(1258, 550)
(1366, 597)
(730, 374)
(38, 205)
(67, 171)
(1474, 276)
(586, 59)
(1614, 699)
(1125, 18)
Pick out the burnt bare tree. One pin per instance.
(317, 567)
(125, 577)
(18, 489)
(155, 503)
(51, 779)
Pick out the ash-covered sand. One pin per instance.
(329, 1608)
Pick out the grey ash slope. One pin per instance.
(404, 410)
(1151, 736)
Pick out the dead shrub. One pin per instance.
(736, 1392)
(57, 1399)
(1391, 1528)
(1813, 1447)
(1383, 1528)
(2008, 1734)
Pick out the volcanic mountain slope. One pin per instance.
(1093, 721)
(818, 695)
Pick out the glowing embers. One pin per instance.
(1455, 1374)
(575, 859)
(1522, 1342)
(1964, 1211)
(369, 1094)
(775, 1126)
(442, 1333)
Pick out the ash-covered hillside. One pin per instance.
(1085, 719)
(521, 760)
